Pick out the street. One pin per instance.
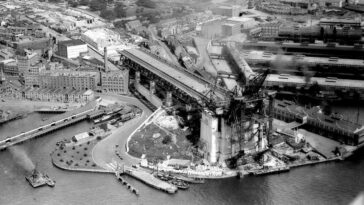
(104, 152)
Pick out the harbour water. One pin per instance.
(331, 183)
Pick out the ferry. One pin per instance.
(37, 179)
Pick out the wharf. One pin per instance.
(149, 179)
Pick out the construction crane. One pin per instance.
(246, 109)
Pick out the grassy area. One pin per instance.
(76, 156)
(157, 143)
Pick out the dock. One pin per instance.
(150, 180)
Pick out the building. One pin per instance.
(229, 11)
(26, 59)
(72, 48)
(32, 43)
(31, 75)
(10, 67)
(6, 54)
(212, 29)
(133, 25)
(245, 23)
(57, 95)
(230, 29)
(77, 80)
(340, 22)
(332, 126)
(9, 88)
(270, 30)
(115, 82)
(100, 38)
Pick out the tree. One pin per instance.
(107, 14)
(119, 24)
(119, 10)
(97, 5)
(73, 4)
(84, 2)
(167, 139)
(146, 3)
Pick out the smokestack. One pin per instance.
(105, 59)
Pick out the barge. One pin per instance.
(38, 179)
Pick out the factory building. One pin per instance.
(31, 75)
(115, 81)
(26, 59)
(72, 48)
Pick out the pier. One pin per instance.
(124, 182)
(50, 125)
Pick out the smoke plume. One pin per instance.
(21, 158)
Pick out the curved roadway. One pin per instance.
(104, 151)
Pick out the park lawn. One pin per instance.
(142, 142)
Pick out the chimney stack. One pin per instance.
(105, 59)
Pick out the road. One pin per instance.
(202, 44)
(104, 152)
(172, 58)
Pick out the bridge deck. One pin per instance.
(38, 124)
(190, 84)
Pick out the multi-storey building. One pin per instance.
(270, 30)
(72, 48)
(31, 75)
(115, 81)
(58, 94)
(25, 60)
(78, 80)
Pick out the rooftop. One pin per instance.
(74, 42)
(316, 113)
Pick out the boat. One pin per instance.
(192, 180)
(103, 119)
(37, 179)
(179, 184)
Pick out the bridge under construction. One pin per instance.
(231, 120)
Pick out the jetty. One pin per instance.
(124, 182)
